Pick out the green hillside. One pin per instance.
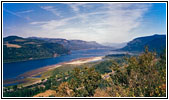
(19, 49)
(154, 42)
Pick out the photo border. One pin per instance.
(86, 97)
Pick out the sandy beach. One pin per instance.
(47, 68)
(84, 60)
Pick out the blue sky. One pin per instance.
(101, 22)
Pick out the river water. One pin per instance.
(12, 70)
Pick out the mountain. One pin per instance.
(18, 49)
(73, 44)
(154, 42)
(115, 45)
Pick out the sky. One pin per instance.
(101, 22)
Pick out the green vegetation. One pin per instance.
(143, 75)
(118, 55)
(136, 76)
(104, 67)
(155, 43)
(84, 82)
(20, 49)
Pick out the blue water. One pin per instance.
(12, 70)
(16, 83)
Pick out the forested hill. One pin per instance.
(73, 44)
(18, 49)
(154, 42)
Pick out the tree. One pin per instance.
(14, 87)
(143, 76)
(84, 81)
(63, 90)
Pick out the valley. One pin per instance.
(84, 50)
(37, 75)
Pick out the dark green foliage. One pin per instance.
(84, 81)
(118, 55)
(120, 78)
(24, 92)
(144, 75)
(30, 49)
(104, 67)
(14, 87)
(103, 84)
(11, 38)
(155, 43)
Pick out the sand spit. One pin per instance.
(84, 60)
(75, 61)
(47, 68)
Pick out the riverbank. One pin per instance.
(23, 60)
(39, 71)
(46, 68)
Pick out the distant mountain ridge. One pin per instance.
(73, 44)
(154, 42)
(18, 49)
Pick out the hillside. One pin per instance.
(18, 49)
(154, 42)
(143, 75)
(73, 44)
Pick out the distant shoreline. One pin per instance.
(7, 62)
(29, 59)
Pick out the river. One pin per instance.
(12, 70)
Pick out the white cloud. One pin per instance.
(17, 14)
(51, 9)
(76, 6)
(107, 23)
(26, 11)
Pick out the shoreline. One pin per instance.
(50, 67)
(29, 59)
(7, 62)
(41, 70)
